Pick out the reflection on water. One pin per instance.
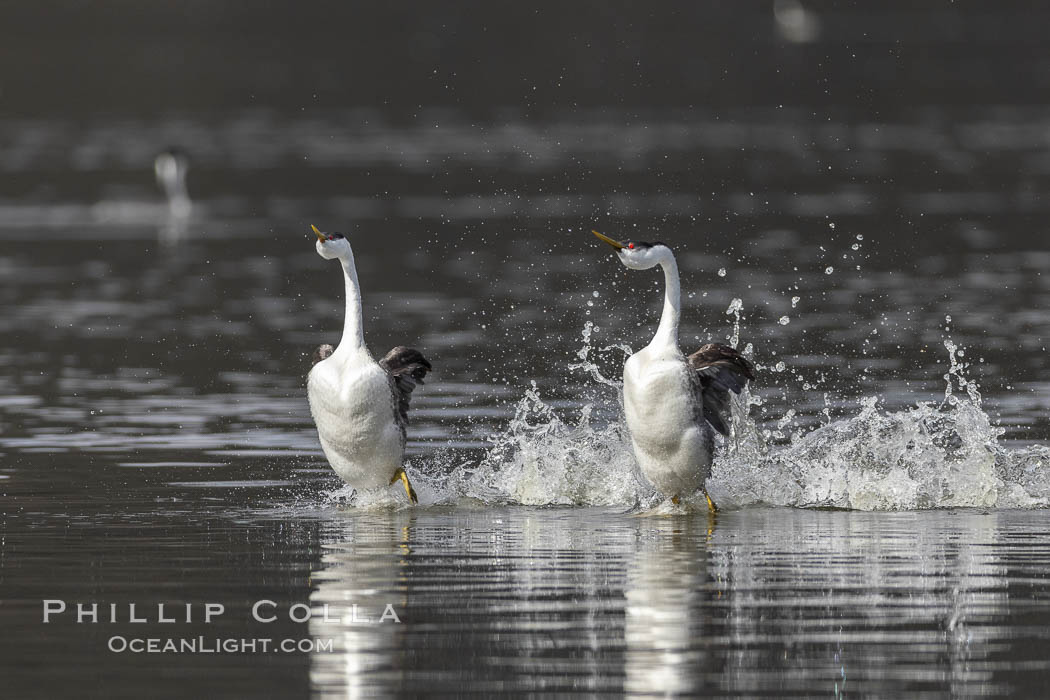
(361, 574)
(667, 579)
(761, 601)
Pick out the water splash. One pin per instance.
(585, 355)
(544, 459)
(956, 375)
(541, 459)
(924, 457)
(735, 308)
(928, 456)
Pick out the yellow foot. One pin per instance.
(710, 504)
(676, 500)
(400, 474)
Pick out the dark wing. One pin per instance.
(406, 367)
(323, 352)
(719, 369)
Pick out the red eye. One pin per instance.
(331, 238)
(631, 246)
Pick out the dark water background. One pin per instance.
(155, 443)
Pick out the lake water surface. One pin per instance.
(883, 529)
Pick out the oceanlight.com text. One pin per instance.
(217, 645)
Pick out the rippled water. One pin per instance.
(156, 446)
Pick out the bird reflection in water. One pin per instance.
(362, 583)
(670, 600)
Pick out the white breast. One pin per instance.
(672, 448)
(352, 405)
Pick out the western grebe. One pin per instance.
(360, 406)
(170, 167)
(673, 403)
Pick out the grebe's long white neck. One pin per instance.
(353, 340)
(667, 332)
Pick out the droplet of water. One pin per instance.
(735, 307)
(721, 272)
(828, 270)
(794, 301)
(784, 320)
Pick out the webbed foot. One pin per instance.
(711, 508)
(400, 474)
